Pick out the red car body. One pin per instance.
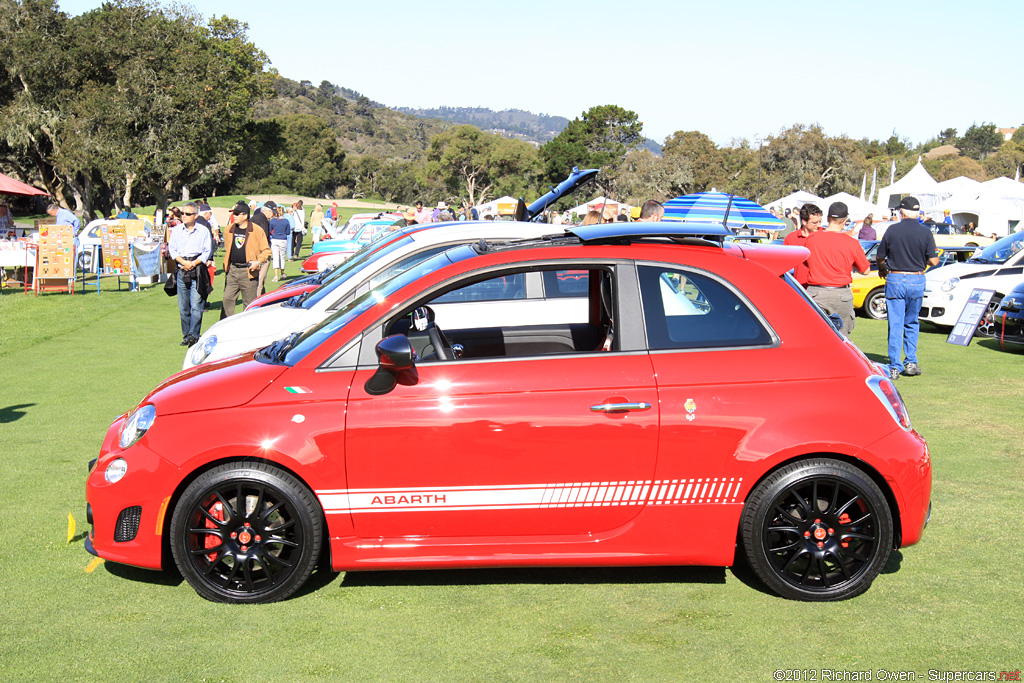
(282, 294)
(545, 458)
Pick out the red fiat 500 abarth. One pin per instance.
(704, 402)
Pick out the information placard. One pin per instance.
(114, 238)
(56, 252)
(967, 323)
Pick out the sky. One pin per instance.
(742, 69)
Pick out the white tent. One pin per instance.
(1003, 187)
(959, 185)
(858, 207)
(918, 183)
(991, 213)
(795, 200)
(600, 204)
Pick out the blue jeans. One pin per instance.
(904, 293)
(190, 304)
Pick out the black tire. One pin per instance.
(246, 532)
(796, 546)
(874, 304)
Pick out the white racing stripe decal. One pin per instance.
(707, 490)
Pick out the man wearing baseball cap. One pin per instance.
(906, 250)
(834, 255)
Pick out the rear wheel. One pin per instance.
(817, 530)
(246, 532)
(874, 304)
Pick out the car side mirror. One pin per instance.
(396, 365)
(395, 353)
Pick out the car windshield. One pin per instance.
(1002, 250)
(355, 263)
(293, 349)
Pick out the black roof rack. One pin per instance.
(619, 233)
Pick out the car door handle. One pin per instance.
(619, 407)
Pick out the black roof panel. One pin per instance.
(612, 232)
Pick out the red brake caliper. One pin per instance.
(844, 519)
(217, 512)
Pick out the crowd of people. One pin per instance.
(906, 250)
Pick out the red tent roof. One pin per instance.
(9, 185)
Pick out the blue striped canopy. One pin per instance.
(711, 207)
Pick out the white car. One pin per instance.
(557, 296)
(999, 267)
(90, 241)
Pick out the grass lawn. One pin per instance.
(70, 364)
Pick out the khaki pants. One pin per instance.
(837, 300)
(260, 289)
(236, 281)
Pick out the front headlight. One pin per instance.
(136, 425)
(203, 349)
(950, 284)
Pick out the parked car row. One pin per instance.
(620, 394)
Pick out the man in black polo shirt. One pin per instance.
(906, 249)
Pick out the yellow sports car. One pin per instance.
(869, 289)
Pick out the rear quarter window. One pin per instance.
(686, 310)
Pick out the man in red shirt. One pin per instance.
(810, 222)
(834, 255)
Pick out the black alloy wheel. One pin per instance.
(246, 533)
(817, 530)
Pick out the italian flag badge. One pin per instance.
(298, 390)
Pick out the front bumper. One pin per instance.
(127, 518)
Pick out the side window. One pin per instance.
(687, 310)
(504, 288)
(566, 283)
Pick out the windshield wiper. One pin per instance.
(297, 300)
(285, 345)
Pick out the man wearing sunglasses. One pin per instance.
(190, 247)
(245, 250)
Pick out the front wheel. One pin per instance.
(246, 533)
(817, 530)
(986, 326)
(875, 306)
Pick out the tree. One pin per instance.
(643, 176)
(979, 141)
(465, 158)
(307, 161)
(701, 156)
(98, 109)
(960, 166)
(600, 138)
(1006, 161)
(804, 158)
(948, 136)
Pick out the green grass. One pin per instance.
(70, 364)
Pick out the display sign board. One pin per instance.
(115, 240)
(970, 316)
(56, 257)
